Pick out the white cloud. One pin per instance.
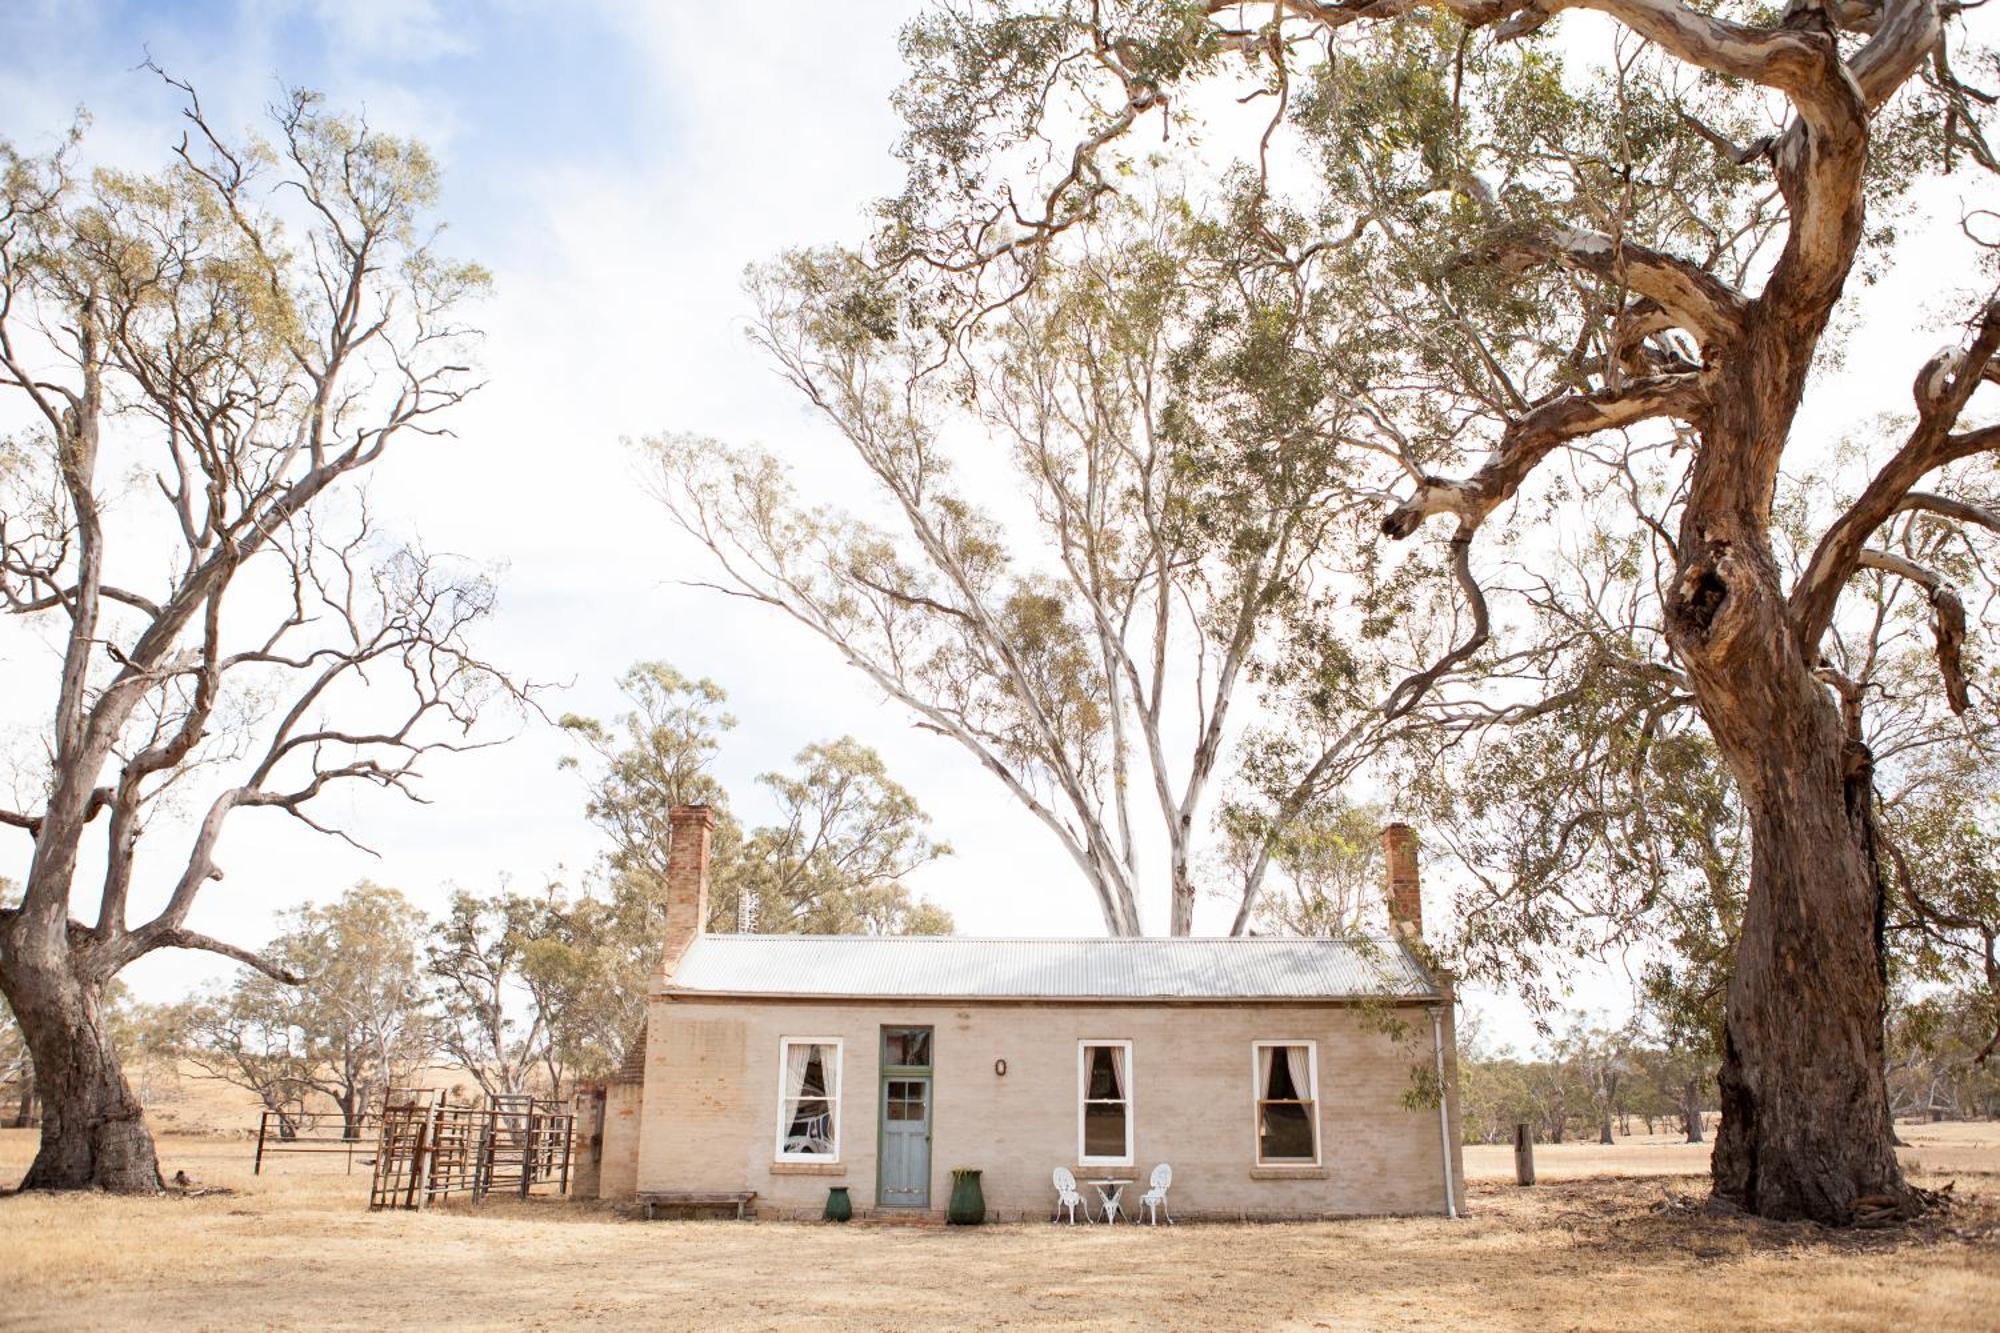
(396, 29)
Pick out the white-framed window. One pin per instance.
(808, 1099)
(1285, 1089)
(1104, 1103)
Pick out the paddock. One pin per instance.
(297, 1248)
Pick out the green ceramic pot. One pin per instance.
(968, 1202)
(839, 1208)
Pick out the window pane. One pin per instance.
(1104, 1082)
(811, 1130)
(809, 1085)
(1288, 1133)
(1104, 1129)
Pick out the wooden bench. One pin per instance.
(737, 1199)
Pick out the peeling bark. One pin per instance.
(1805, 1113)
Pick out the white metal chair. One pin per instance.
(1155, 1198)
(1067, 1196)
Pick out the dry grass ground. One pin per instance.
(296, 1248)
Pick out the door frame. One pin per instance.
(886, 1073)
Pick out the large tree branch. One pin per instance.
(1821, 157)
(1948, 618)
(1529, 438)
(1904, 33)
(1778, 58)
(1689, 295)
(123, 837)
(189, 939)
(1942, 389)
(1944, 506)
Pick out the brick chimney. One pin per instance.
(1405, 893)
(687, 879)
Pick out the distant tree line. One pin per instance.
(1941, 1065)
(532, 990)
(1584, 1083)
(1594, 1083)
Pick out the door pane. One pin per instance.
(903, 1099)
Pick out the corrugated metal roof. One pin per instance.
(957, 967)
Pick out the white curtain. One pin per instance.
(1301, 1072)
(1117, 1071)
(797, 1057)
(1291, 1061)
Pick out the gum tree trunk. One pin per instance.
(1805, 1113)
(1805, 1123)
(353, 1106)
(1691, 1111)
(94, 1135)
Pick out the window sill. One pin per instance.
(808, 1168)
(1303, 1171)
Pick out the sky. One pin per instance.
(616, 166)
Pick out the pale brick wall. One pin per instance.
(712, 1091)
(587, 1151)
(618, 1164)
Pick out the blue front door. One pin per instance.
(906, 1142)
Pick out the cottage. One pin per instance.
(1274, 1075)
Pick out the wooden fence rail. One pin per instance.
(427, 1148)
